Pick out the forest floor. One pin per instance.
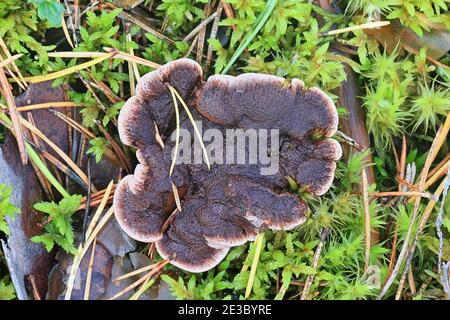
(67, 68)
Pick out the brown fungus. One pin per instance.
(229, 204)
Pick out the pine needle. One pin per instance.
(191, 118)
(251, 279)
(70, 70)
(368, 25)
(10, 60)
(47, 105)
(87, 288)
(261, 20)
(177, 132)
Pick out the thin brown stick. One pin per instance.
(201, 26)
(317, 253)
(214, 29)
(393, 252)
(35, 291)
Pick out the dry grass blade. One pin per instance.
(47, 105)
(367, 229)
(251, 279)
(87, 288)
(369, 25)
(194, 125)
(64, 156)
(15, 117)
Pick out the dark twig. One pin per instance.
(88, 202)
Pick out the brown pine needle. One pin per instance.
(439, 165)
(402, 164)
(61, 153)
(176, 196)
(141, 280)
(72, 123)
(14, 115)
(100, 209)
(117, 149)
(138, 271)
(437, 174)
(8, 55)
(47, 105)
(228, 12)
(368, 25)
(10, 60)
(128, 57)
(66, 31)
(87, 288)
